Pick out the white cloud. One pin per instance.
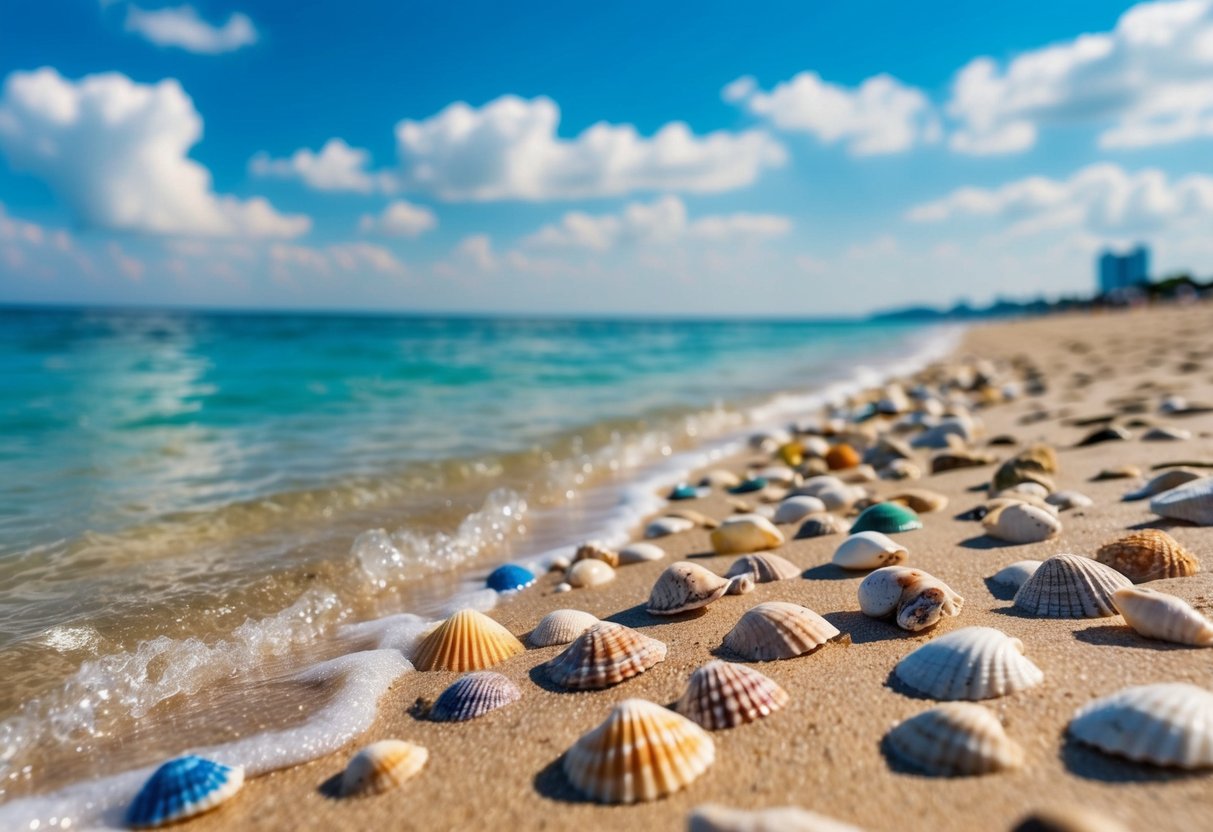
(508, 149)
(183, 28)
(129, 267)
(337, 167)
(400, 219)
(115, 152)
(287, 260)
(1147, 82)
(881, 115)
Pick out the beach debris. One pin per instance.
(665, 526)
(1111, 433)
(1192, 501)
(763, 568)
(778, 630)
(640, 553)
(381, 767)
(561, 627)
(971, 663)
(797, 507)
(1148, 555)
(182, 788)
(749, 486)
(915, 598)
(745, 533)
(685, 586)
(641, 752)
(920, 500)
(1067, 500)
(596, 551)
(604, 655)
(711, 817)
(468, 640)
(1165, 481)
(1070, 586)
(510, 577)
(724, 695)
(956, 460)
(1164, 433)
(1016, 574)
(1119, 472)
(1021, 523)
(1168, 724)
(842, 456)
(474, 695)
(869, 550)
(1164, 617)
(886, 518)
(955, 739)
(589, 572)
(683, 491)
(1068, 819)
(719, 478)
(820, 525)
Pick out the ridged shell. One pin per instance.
(797, 507)
(590, 572)
(382, 766)
(887, 518)
(713, 818)
(1192, 501)
(1162, 616)
(641, 752)
(1021, 523)
(919, 499)
(604, 655)
(955, 739)
(561, 627)
(685, 586)
(778, 630)
(474, 695)
(665, 526)
(1148, 555)
(596, 551)
(744, 533)
(916, 598)
(640, 553)
(1070, 586)
(182, 788)
(1016, 574)
(1168, 724)
(1165, 481)
(763, 568)
(820, 525)
(1066, 500)
(869, 550)
(725, 695)
(468, 640)
(972, 663)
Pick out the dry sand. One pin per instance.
(823, 751)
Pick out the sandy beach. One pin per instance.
(823, 750)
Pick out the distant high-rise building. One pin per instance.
(1123, 271)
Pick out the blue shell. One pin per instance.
(473, 695)
(509, 577)
(182, 788)
(755, 484)
(684, 492)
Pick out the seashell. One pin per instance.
(696, 517)
(916, 598)
(869, 550)
(182, 788)
(1162, 616)
(1163, 482)
(685, 586)
(749, 486)
(1070, 586)
(886, 518)
(1120, 472)
(474, 695)
(886, 451)
(1015, 472)
(1148, 555)
(1173, 403)
(468, 640)
(791, 453)
(919, 499)
(956, 460)
(682, 491)
(1169, 724)
(1032, 489)
(763, 568)
(796, 508)
(937, 436)
(842, 456)
(719, 478)
(740, 585)
(956, 738)
(510, 577)
(778, 630)
(665, 526)
(640, 553)
(1166, 434)
(1016, 574)
(713, 818)
(860, 473)
(596, 551)
(725, 695)
(744, 533)
(561, 627)
(1021, 523)
(1039, 456)
(1068, 819)
(970, 663)
(815, 445)
(1066, 500)
(587, 573)
(1192, 501)
(1011, 498)
(778, 475)
(382, 766)
(836, 494)
(563, 586)
(641, 752)
(814, 467)
(1108, 434)
(819, 525)
(559, 564)
(900, 469)
(604, 655)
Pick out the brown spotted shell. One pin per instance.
(1148, 555)
(604, 655)
(778, 630)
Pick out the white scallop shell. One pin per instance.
(1169, 724)
(685, 586)
(797, 507)
(591, 572)
(640, 553)
(956, 738)
(1016, 574)
(1165, 617)
(1070, 586)
(561, 627)
(778, 630)
(1165, 481)
(1066, 500)
(869, 550)
(665, 526)
(971, 663)
(1021, 523)
(1192, 501)
(744, 533)
(919, 600)
(714, 818)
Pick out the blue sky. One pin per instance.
(804, 158)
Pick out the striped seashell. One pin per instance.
(797, 507)
(725, 695)
(685, 586)
(955, 739)
(719, 478)
(1192, 501)
(596, 551)
(1168, 724)
(666, 526)
(182, 788)
(919, 499)
(1148, 555)
(382, 766)
(474, 695)
(1021, 523)
(743, 533)
(640, 553)
(971, 663)
(589, 572)
(468, 640)
(778, 630)
(561, 627)
(1016, 574)
(1068, 819)
(1162, 616)
(641, 752)
(1070, 586)
(1066, 500)
(916, 599)
(763, 568)
(1165, 481)
(604, 655)
(869, 550)
(820, 525)
(714, 818)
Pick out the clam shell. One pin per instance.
(956, 738)
(1066, 500)
(604, 655)
(745, 533)
(1168, 724)
(640, 553)
(182, 788)
(665, 526)
(763, 568)
(1070, 586)
(596, 551)
(836, 494)
(869, 550)
(778, 630)
(1165, 481)
(474, 695)
(887, 518)
(561, 627)
(589, 572)
(1148, 555)
(713, 818)
(1192, 501)
(1021, 523)
(919, 499)
(382, 766)
(797, 507)
(1162, 616)
(970, 663)
(468, 640)
(1016, 574)
(719, 478)
(724, 695)
(685, 586)
(820, 525)
(510, 577)
(641, 752)
(937, 436)
(917, 598)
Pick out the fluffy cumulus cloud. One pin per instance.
(509, 149)
(336, 167)
(399, 219)
(115, 152)
(183, 28)
(882, 115)
(1147, 82)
